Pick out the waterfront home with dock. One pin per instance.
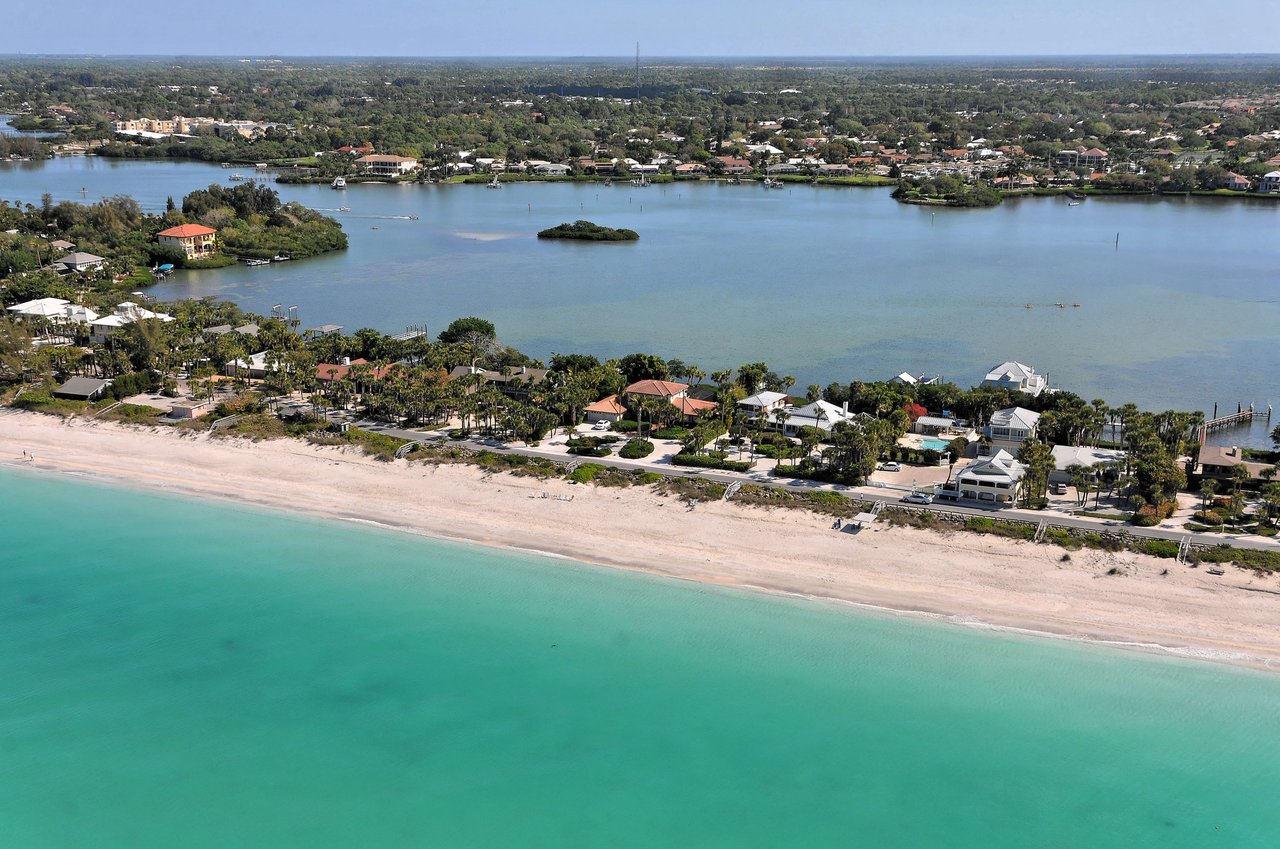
(1217, 462)
(387, 165)
(194, 240)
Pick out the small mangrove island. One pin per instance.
(588, 231)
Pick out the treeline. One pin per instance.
(558, 111)
(947, 189)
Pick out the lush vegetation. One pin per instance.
(947, 190)
(588, 232)
(561, 111)
(636, 449)
(249, 218)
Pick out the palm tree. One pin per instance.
(1207, 489)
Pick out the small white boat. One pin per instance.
(493, 184)
(338, 183)
(235, 178)
(281, 258)
(257, 262)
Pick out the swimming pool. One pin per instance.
(935, 444)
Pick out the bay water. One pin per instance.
(1178, 300)
(177, 672)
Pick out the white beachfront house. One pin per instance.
(551, 169)
(763, 403)
(820, 414)
(908, 379)
(1270, 182)
(1066, 456)
(387, 165)
(1009, 428)
(103, 327)
(1017, 377)
(996, 478)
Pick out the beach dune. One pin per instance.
(1125, 599)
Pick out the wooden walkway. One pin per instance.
(1245, 415)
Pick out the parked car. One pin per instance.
(891, 466)
(600, 425)
(917, 498)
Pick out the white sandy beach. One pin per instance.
(967, 578)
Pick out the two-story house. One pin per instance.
(194, 240)
(1008, 429)
(1017, 377)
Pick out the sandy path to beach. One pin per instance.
(964, 577)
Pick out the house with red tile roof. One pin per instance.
(607, 409)
(731, 165)
(676, 393)
(337, 371)
(664, 389)
(194, 240)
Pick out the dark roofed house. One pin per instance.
(79, 261)
(82, 389)
(1216, 461)
(515, 382)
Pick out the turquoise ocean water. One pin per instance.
(185, 673)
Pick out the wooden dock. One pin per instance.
(1243, 416)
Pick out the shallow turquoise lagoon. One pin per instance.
(183, 673)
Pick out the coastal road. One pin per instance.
(865, 493)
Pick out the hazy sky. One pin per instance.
(663, 27)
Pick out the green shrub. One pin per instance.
(1159, 547)
(41, 401)
(981, 524)
(635, 449)
(245, 402)
(133, 383)
(586, 472)
(709, 461)
(1150, 515)
(589, 446)
(1062, 537)
(670, 433)
(377, 445)
(626, 426)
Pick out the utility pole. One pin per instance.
(637, 75)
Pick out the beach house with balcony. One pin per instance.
(387, 165)
(997, 478)
(1008, 429)
(1017, 377)
(194, 240)
(763, 403)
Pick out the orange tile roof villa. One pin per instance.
(657, 388)
(194, 240)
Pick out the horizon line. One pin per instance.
(630, 57)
